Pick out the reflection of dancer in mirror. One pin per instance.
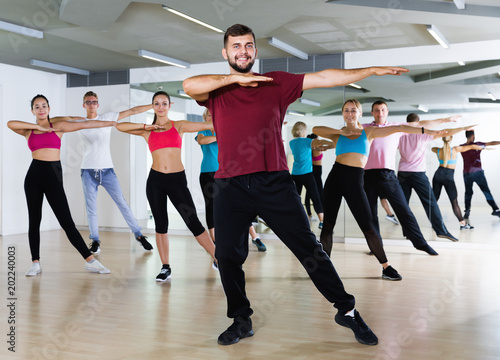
(317, 165)
(209, 165)
(346, 179)
(167, 177)
(253, 178)
(389, 215)
(474, 173)
(44, 178)
(445, 175)
(302, 170)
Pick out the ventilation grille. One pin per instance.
(298, 66)
(99, 78)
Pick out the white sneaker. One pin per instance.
(313, 218)
(392, 219)
(96, 267)
(34, 270)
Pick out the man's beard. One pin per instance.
(244, 70)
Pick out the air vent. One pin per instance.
(116, 77)
(298, 66)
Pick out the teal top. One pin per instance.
(450, 161)
(302, 156)
(360, 145)
(210, 151)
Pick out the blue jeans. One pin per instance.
(420, 183)
(478, 178)
(91, 179)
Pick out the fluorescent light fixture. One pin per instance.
(460, 4)
(310, 102)
(296, 113)
(461, 63)
(21, 30)
(288, 48)
(355, 86)
(492, 97)
(434, 31)
(423, 108)
(58, 67)
(182, 93)
(199, 22)
(164, 59)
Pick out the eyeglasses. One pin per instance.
(94, 102)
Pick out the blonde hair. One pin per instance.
(358, 106)
(298, 128)
(205, 113)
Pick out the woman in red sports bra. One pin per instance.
(167, 177)
(44, 178)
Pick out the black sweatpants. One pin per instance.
(45, 178)
(273, 196)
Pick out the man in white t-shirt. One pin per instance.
(97, 169)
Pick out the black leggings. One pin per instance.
(445, 177)
(207, 187)
(159, 186)
(348, 182)
(309, 182)
(317, 172)
(45, 178)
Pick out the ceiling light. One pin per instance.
(21, 30)
(288, 48)
(296, 113)
(461, 63)
(460, 4)
(433, 30)
(492, 97)
(182, 93)
(164, 59)
(63, 68)
(310, 102)
(423, 108)
(355, 86)
(192, 19)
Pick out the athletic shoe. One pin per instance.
(145, 243)
(96, 267)
(427, 249)
(313, 218)
(215, 266)
(361, 331)
(496, 213)
(320, 225)
(392, 219)
(448, 236)
(239, 329)
(164, 275)
(260, 245)
(95, 247)
(466, 227)
(389, 273)
(34, 270)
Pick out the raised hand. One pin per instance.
(251, 80)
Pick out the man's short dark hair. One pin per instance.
(237, 30)
(412, 118)
(469, 133)
(379, 102)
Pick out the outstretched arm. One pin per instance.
(68, 126)
(136, 128)
(491, 143)
(429, 124)
(23, 128)
(338, 77)
(331, 133)
(199, 87)
(451, 132)
(373, 132)
(134, 111)
(190, 126)
(464, 148)
(65, 118)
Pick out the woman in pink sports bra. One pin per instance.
(44, 178)
(167, 177)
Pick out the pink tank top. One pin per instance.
(48, 140)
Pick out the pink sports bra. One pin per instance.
(47, 140)
(164, 139)
(317, 158)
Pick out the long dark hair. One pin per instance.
(153, 100)
(40, 96)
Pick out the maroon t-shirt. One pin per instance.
(248, 122)
(472, 159)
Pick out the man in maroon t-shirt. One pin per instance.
(248, 110)
(474, 173)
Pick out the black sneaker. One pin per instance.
(496, 213)
(164, 275)
(260, 245)
(361, 331)
(239, 329)
(389, 273)
(95, 247)
(145, 243)
(466, 227)
(448, 236)
(427, 249)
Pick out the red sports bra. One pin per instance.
(164, 139)
(47, 140)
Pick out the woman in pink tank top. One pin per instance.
(44, 178)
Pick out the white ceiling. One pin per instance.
(99, 35)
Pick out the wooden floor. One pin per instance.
(446, 307)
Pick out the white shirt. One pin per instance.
(96, 144)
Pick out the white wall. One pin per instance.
(19, 86)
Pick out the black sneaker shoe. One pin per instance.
(239, 329)
(448, 236)
(427, 249)
(389, 273)
(260, 245)
(164, 275)
(145, 243)
(466, 227)
(95, 247)
(361, 331)
(496, 213)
